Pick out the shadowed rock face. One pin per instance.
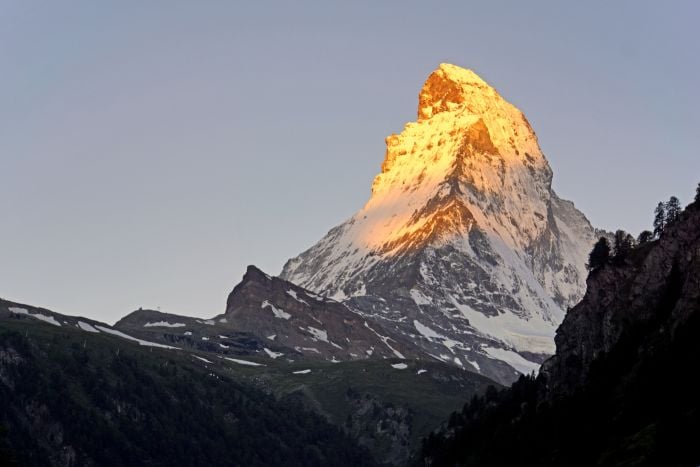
(463, 247)
(621, 388)
(316, 327)
(269, 317)
(654, 291)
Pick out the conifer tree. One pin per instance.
(623, 244)
(659, 219)
(645, 237)
(599, 255)
(673, 210)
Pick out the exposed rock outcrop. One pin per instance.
(654, 290)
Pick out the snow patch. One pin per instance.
(308, 349)
(128, 337)
(301, 372)
(87, 327)
(272, 354)
(399, 366)
(278, 312)
(39, 316)
(385, 340)
(164, 324)
(293, 294)
(202, 359)
(243, 362)
(513, 359)
(318, 334)
(425, 331)
(531, 334)
(419, 298)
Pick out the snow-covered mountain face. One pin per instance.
(463, 247)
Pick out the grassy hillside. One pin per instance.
(387, 408)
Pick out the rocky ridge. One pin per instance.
(272, 318)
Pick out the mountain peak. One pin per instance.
(254, 274)
(450, 87)
(451, 101)
(457, 73)
(462, 239)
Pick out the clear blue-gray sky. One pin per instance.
(149, 151)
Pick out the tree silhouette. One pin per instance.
(697, 194)
(623, 244)
(659, 219)
(673, 210)
(645, 237)
(599, 255)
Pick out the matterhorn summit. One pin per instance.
(463, 248)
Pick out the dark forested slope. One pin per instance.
(73, 398)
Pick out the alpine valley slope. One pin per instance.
(286, 349)
(463, 247)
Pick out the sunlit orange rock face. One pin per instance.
(450, 87)
(462, 230)
(466, 133)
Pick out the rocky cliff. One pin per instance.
(655, 290)
(620, 389)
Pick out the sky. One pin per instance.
(150, 151)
